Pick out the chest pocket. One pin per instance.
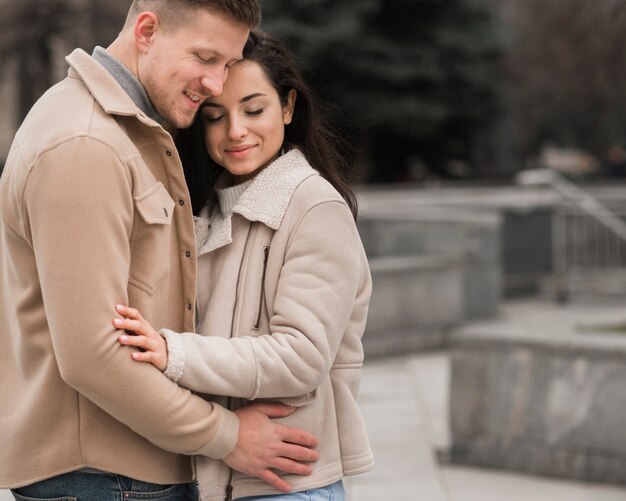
(151, 239)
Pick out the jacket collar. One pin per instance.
(133, 87)
(103, 87)
(266, 200)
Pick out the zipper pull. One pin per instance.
(229, 493)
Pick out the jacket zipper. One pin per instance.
(229, 487)
(266, 253)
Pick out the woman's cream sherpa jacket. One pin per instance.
(283, 293)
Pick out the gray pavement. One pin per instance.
(404, 402)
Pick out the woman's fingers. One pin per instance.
(152, 350)
(128, 312)
(129, 325)
(152, 346)
(137, 341)
(143, 356)
(140, 356)
(138, 326)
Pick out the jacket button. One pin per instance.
(189, 306)
(181, 202)
(188, 254)
(168, 153)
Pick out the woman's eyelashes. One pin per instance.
(254, 113)
(212, 118)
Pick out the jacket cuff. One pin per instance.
(175, 355)
(225, 438)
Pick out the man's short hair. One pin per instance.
(173, 13)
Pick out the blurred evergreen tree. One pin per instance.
(420, 75)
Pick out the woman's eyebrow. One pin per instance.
(251, 96)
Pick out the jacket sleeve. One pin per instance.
(78, 212)
(319, 282)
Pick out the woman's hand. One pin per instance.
(153, 346)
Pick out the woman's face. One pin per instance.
(245, 125)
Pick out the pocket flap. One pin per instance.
(155, 205)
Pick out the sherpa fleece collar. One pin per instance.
(266, 200)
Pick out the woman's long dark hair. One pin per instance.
(321, 147)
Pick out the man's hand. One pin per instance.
(264, 444)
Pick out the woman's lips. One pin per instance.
(239, 151)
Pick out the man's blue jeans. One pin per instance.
(94, 485)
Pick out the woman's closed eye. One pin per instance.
(211, 118)
(254, 113)
(216, 117)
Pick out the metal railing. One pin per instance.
(588, 239)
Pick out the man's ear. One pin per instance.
(289, 107)
(146, 26)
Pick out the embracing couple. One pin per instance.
(183, 288)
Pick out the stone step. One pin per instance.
(472, 240)
(415, 300)
(542, 393)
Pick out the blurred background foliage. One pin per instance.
(418, 76)
(424, 89)
(35, 35)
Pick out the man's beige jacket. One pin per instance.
(94, 211)
(283, 294)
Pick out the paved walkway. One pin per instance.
(404, 402)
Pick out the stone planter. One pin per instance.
(548, 400)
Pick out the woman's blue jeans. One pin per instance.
(332, 492)
(95, 485)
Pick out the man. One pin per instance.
(95, 212)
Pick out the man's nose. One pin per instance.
(213, 82)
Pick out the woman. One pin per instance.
(283, 281)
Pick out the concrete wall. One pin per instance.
(430, 271)
(525, 246)
(415, 301)
(471, 242)
(540, 403)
